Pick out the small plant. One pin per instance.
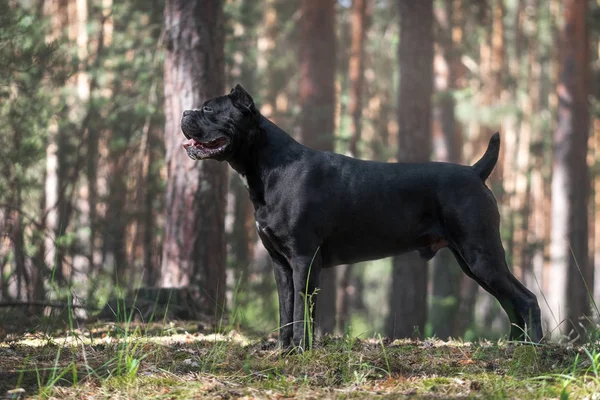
(308, 323)
(360, 376)
(127, 361)
(385, 355)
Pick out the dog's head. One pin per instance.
(217, 128)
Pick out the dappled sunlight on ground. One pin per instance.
(173, 361)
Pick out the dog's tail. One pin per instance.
(486, 164)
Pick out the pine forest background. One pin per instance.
(91, 93)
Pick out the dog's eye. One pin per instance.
(207, 109)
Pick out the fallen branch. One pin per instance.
(44, 304)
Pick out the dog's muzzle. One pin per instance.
(197, 150)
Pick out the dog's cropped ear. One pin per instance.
(242, 98)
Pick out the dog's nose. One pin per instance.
(187, 112)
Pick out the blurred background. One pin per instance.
(99, 201)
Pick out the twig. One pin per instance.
(44, 304)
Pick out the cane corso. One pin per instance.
(318, 209)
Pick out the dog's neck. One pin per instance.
(266, 149)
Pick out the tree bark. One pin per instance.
(194, 244)
(58, 13)
(571, 281)
(114, 253)
(17, 234)
(408, 299)
(447, 275)
(530, 170)
(317, 98)
(243, 233)
(492, 72)
(38, 267)
(151, 255)
(356, 71)
(93, 136)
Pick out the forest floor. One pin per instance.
(179, 361)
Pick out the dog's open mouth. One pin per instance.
(198, 150)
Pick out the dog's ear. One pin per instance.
(240, 97)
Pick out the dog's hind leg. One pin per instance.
(472, 230)
(517, 324)
(487, 266)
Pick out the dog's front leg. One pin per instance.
(306, 280)
(285, 291)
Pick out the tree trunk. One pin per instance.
(571, 281)
(114, 254)
(279, 80)
(493, 70)
(38, 267)
(194, 244)
(317, 98)
(58, 13)
(16, 230)
(243, 233)
(151, 256)
(93, 141)
(356, 71)
(447, 275)
(408, 298)
(531, 178)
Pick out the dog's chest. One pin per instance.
(271, 233)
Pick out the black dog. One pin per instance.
(318, 209)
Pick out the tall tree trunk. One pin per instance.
(468, 287)
(151, 256)
(531, 178)
(571, 283)
(38, 267)
(16, 228)
(144, 224)
(79, 210)
(317, 98)
(356, 71)
(512, 143)
(408, 298)
(194, 244)
(554, 70)
(69, 19)
(103, 15)
(496, 88)
(116, 220)
(58, 13)
(93, 138)
(279, 79)
(595, 214)
(447, 275)
(243, 234)
(493, 57)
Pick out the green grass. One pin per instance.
(130, 360)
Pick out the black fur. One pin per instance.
(329, 209)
